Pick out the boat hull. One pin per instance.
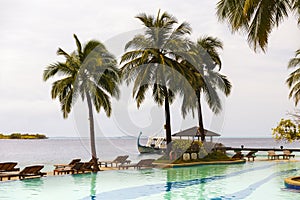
(146, 149)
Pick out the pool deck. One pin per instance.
(51, 174)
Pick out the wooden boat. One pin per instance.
(154, 145)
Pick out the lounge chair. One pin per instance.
(287, 154)
(30, 171)
(69, 169)
(250, 155)
(8, 167)
(72, 163)
(87, 166)
(117, 160)
(238, 156)
(142, 163)
(272, 155)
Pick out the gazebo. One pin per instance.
(193, 132)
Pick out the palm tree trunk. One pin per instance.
(92, 133)
(168, 123)
(200, 118)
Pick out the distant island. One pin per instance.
(22, 136)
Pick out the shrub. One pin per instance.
(216, 155)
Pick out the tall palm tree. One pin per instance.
(293, 80)
(256, 17)
(89, 72)
(152, 61)
(203, 60)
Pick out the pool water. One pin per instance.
(252, 180)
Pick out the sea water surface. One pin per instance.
(62, 150)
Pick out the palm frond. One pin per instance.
(147, 20)
(78, 44)
(232, 12)
(140, 94)
(267, 15)
(100, 98)
(66, 103)
(295, 61)
(295, 6)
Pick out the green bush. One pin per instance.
(180, 145)
(216, 156)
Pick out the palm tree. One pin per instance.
(293, 80)
(153, 62)
(203, 58)
(256, 17)
(89, 72)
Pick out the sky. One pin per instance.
(31, 32)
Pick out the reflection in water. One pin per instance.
(188, 176)
(34, 185)
(93, 185)
(87, 182)
(33, 182)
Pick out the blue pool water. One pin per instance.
(240, 181)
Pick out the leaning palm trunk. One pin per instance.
(92, 133)
(200, 118)
(89, 72)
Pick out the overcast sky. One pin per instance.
(31, 32)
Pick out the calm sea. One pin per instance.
(63, 150)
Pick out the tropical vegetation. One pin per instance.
(287, 130)
(166, 61)
(89, 72)
(210, 157)
(162, 59)
(204, 62)
(256, 17)
(22, 136)
(151, 61)
(293, 80)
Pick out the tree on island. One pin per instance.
(89, 72)
(204, 62)
(152, 62)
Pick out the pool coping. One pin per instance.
(170, 165)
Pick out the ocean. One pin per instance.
(62, 150)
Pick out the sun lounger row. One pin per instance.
(286, 155)
(30, 171)
(250, 155)
(271, 155)
(75, 166)
(124, 163)
(146, 163)
(79, 167)
(117, 161)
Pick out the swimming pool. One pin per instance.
(252, 180)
